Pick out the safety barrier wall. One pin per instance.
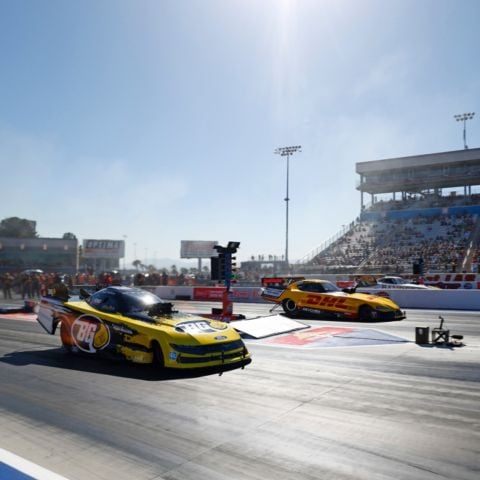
(209, 294)
(428, 299)
(449, 281)
(434, 299)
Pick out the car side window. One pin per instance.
(311, 287)
(105, 302)
(303, 287)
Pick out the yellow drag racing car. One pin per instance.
(323, 297)
(138, 326)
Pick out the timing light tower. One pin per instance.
(463, 118)
(286, 152)
(223, 267)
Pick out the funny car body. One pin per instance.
(321, 297)
(138, 326)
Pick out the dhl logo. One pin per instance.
(331, 302)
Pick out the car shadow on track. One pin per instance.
(334, 318)
(58, 358)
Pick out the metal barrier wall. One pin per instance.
(429, 299)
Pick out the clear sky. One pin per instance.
(157, 120)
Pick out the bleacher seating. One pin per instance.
(445, 242)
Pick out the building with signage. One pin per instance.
(47, 254)
(101, 255)
(59, 254)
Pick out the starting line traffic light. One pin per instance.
(224, 266)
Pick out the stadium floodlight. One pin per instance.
(463, 118)
(286, 152)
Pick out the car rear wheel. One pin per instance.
(365, 312)
(289, 307)
(158, 360)
(66, 337)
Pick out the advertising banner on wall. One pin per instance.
(103, 248)
(198, 248)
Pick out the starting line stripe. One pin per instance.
(13, 467)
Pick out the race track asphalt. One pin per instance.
(386, 411)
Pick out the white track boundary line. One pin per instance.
(27, 467)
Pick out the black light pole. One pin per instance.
(463, 118)
(286, 152)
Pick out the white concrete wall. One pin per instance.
(428, 299)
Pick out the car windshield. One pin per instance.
(330, 287)
(317, 287)
(139, 301)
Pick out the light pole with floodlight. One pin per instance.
(286, 152)
(463, 118)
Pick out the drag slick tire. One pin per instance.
(158, 360)
(290, 307)
(65, 336)
(366, 313)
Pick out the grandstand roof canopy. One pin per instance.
(420, 172)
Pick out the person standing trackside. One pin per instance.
(7, 281)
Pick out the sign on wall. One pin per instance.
(197, 248)
(103, 248)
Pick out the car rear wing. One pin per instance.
(49, 313)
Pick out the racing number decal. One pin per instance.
(196, 327)
(86, 332)
(90, 334)
(331, 302)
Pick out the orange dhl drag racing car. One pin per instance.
(321, 297)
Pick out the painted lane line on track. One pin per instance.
(25, 317)
(13, 467)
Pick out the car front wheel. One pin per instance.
(290, 307)
(365, 312)
(158, 360)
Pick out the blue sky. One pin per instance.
(157, 120)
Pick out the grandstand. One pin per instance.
(423, 209)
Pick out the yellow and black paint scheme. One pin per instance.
(157, 334)
(323, 297)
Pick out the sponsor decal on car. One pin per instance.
(272, 292)
(122, 329)
(201, 326)
(337, 302)
(90, 334)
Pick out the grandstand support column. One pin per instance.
(286, 152)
